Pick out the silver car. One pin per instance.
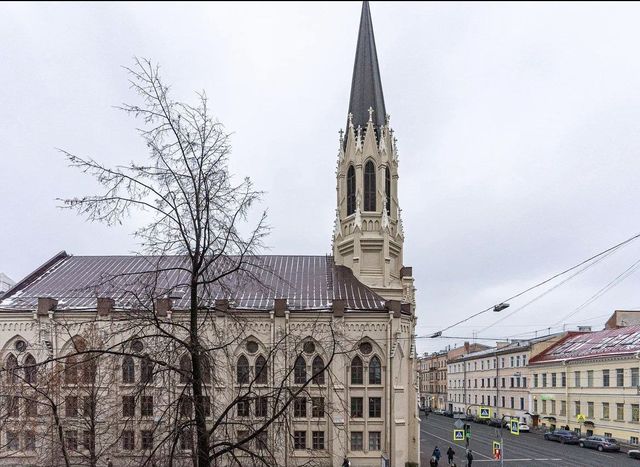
(600, 443)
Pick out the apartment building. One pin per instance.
(496, 377)
(595, 375)
(433, 380)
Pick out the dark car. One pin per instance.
(634, 454)
(495, 422)
(448, 413)
(600, 443)
(477, 419)
(469, 418)
(562, 436)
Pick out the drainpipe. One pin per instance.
(390, 389)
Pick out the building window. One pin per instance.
(70, 437)
(503, 403)
(563, 407)
(375, 371)
(147, 439)
(369, 186)
(590, 378)
(146, 370)
(576, 378)
(605, 410)
(71, 406)
(620, 412)
(535, 380)
(30, 370)
(299, 440)
(146, 409)
(589, 409)
(300, 407)
(635, 382)
(29, 441)
(128, 440)
(375, 407)
(317, 368)
(128, 406)
(553, 380)
(535, 406)
(605, 378)
(356, 370)
(128, 370)
(317, 439)
(242, 370)
(243, 408)
(317, 407)
(356, 407)
(633, 440)
(261, 441)
(563, 379)
(205, 368)
(553, 407)
(620, 377)
(356, 441)
(544, 406)
(261, 406)
(387, 188)
(185, 368)
(31, 408)
(374, 441)
(522, 403)
(634, 413)
(577, 407)
(524, 381)
(351, 190)
(544, 380)
(261, 370)
(186, 440)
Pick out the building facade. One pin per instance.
(497, 377)
(433, 380)
(594, 375)
(336, 333)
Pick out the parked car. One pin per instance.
(495, 422)
(477, 419)
(469, 418)
(562, 436)
(438, 412)
(634, 454)
(524, 428)
(600, 443)
(448, 413)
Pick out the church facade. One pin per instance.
(334, 334)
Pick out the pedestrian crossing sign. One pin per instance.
(515, 427)
(458, 435)
(485, 412)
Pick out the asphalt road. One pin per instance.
(525, 450)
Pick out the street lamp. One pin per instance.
(435, 334)
(500, 307)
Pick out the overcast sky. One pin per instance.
(518, 127)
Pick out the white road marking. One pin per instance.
(519, 460)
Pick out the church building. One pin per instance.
(334, 333)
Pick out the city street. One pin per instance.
(525, 450)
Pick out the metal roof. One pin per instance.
(515, 346)
(366, 85)
(307, 282)
(584, 345)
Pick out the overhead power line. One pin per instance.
(546, 281)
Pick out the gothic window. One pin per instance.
(375, 372)
(185, 368)
(70, 370)
(261, 370)
(206, 369)
(351, 190)
(300, 371)
(369, 187)
(387, 188)
(242, 370)
(317, 368)
(12, 369)
(146, 370)
(128, 370)
(356, 370)
(30, 370)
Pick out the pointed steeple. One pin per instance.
(366, 86)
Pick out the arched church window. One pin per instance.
(185, 368)
(146, 370)
(356, 370)
(317, 368)
(387, 188)
(375, 371)
(351, 190)
(30, 370)
(369, 187)
(128, 370)
(261, 370)
(71, 370)
(12, 369)
(242, 370)
(300, 371)
(206, 369)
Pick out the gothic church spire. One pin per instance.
(366, 85)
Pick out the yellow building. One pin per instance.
(589, 381)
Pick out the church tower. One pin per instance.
(368, 234)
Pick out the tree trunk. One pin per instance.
(196, 382)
